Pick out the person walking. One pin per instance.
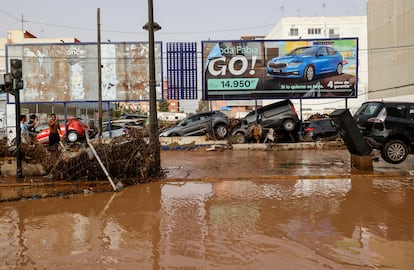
(54, 130)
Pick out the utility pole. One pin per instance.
(99, 77)
(154, 141)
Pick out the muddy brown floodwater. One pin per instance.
(213, 221)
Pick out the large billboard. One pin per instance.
(69, 72)
(266, 69)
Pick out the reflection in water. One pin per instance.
(268, 224)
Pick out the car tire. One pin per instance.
(394, 151)
(289, 125)
(339, 69)
(73, 136)
(220, 131)
(240, 138)
(309, 74)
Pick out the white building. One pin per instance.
(391, 49)
(328, 27)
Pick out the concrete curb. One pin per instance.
(192, 142)
(18, 191)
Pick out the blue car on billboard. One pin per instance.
(306, 63)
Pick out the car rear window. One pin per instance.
(331, 51)
(325, 123)
(369, 109)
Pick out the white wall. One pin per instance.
(391, 49)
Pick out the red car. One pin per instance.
(77, 129)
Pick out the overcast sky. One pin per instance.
(181, 20)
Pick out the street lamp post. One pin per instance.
(153, 120)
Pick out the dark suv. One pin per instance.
(389, 127)
(200, 124)
(280, 116)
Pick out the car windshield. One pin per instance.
(303, 51)
(251, 117)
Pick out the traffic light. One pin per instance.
(7, 86)
(16, 69)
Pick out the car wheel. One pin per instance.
(73, 136)
(309, 74)
(220, 131)
(289, 125)
(240, 138)
(394, 151)
(339, 69)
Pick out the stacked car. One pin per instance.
(212, 122)
(388, 127)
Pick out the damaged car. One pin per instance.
(198, 124)
(280, 116)
(389, 127)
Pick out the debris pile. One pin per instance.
(127, 158)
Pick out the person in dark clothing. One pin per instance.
(33, 123)
(54, 130)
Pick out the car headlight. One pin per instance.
(295, 64)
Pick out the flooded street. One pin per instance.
(220, 222)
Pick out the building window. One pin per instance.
(294, 32)
(333, 33)
(314, 31)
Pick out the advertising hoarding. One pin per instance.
(68, 72)
(266, 69)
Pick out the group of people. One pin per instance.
(28, 129)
